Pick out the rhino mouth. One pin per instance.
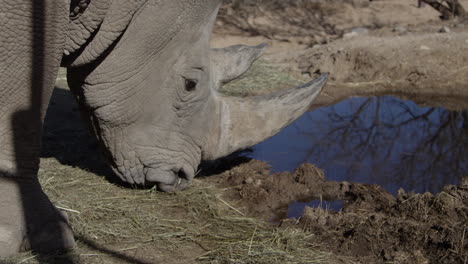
(165, 176)
(171, 180)
(143, 157)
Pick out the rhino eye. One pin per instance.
(190, 85)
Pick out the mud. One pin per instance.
(267, 195)
(372, 227)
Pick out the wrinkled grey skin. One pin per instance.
(145, 77)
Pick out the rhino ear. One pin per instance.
(231, 62)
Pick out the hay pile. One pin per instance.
(114, 224)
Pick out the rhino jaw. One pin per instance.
(247, 121)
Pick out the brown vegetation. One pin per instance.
(283, 20)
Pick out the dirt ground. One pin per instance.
(373, 226)
(235, 212)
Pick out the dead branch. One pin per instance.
(448, 9)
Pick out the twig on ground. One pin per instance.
(230, 206)
(251, 241)
(68, 209)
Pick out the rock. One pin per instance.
(316, 46)
(400, 29)
(360, 30)
(355, 32)
(350, 35)
(424, 47)
(444, 29)
(460, 25)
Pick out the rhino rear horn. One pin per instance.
(231, 62)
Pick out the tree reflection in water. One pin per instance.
(382, 140)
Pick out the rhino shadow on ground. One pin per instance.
(66, 137)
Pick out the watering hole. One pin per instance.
(376, 140)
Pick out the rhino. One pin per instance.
(146, 81)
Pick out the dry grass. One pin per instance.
(114, 224)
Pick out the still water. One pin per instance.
(382, 140)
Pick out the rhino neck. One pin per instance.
(94, 27)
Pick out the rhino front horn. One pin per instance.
(250, 120)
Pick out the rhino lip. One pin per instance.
(168, 180)
(181, 184)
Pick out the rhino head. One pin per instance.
(152, 98)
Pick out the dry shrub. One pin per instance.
(277, 19)
(448, 9)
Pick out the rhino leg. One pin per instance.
(29, 220)
(30, 53)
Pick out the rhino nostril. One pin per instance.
(182, 175)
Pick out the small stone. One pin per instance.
(444, 29)
(66, 52)
(249, 180)
(355, 32)
(350, 35)
(360, 30)
(460, 25)
(423, 47)
(399, 29)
